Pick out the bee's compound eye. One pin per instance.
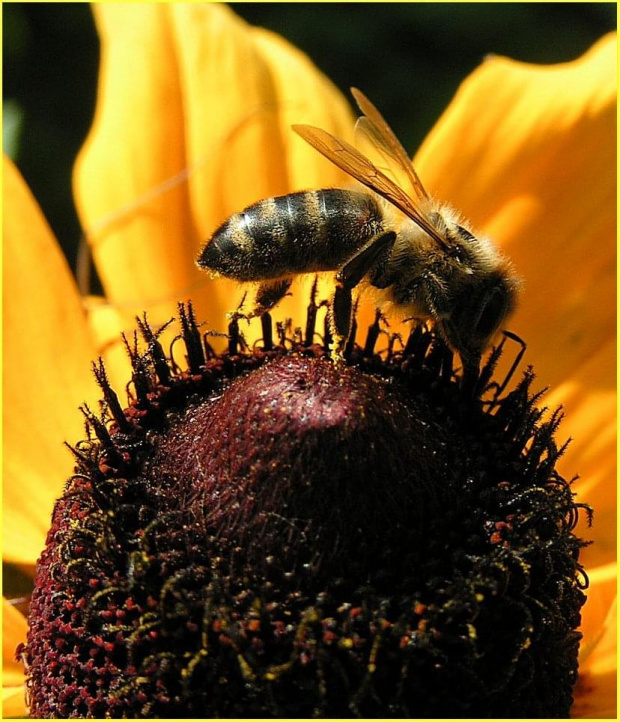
(493, 311)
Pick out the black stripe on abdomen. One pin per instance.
(297, 233)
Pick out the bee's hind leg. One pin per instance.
(373, 252)
(269, 293)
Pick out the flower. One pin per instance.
(535, 171)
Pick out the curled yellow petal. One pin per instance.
(589, 398)
(191, 125)
(141, 237)
(47, 356)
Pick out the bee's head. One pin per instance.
(478, 312)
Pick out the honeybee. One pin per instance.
(418, 251)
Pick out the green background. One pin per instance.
(408, 57)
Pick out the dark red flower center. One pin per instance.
(275, 534)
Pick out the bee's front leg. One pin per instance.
(471, 374)
(377, 248)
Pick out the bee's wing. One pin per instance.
(376, 128)
(350, 160)
(371, 145)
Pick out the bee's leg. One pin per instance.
(376, 250)
(348, 277)
(340, 318)
(269, 293)
(471, 373)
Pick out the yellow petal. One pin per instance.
(142, 238)
(13, 703)
(601, 592)
(590, 423)
(304, 96)
(47, 355)
(604, 657)
(596, 688)
(106, 324)
(242, 89)
(189, 98)
(528, 154)
(14, 630)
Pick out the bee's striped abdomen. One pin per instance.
(297, 233)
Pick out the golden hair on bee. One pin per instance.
(392, 235)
